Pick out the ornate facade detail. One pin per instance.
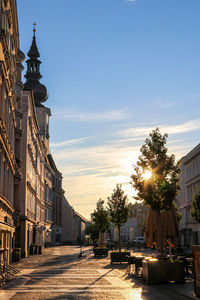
(10, 129)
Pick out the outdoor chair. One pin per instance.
(7, 272)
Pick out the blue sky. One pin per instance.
(114, 69)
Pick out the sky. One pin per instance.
(115, 70)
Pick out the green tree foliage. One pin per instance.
(92, 229)
(119, 209)
(195, 210)
(161, 188)
(100, 217)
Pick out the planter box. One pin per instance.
(119, 256)
(196, 267)
(100, 251)
(157, 271)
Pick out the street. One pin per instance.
(60, 274)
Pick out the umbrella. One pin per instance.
(152, 226)
(169, 225)
(161, 227)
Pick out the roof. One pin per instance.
(52, 164)
(81, 217)
(33, 51)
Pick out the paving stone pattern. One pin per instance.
(60, 274)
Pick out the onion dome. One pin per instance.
(33, 75)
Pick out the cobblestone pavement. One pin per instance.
(60, 274)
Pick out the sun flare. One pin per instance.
(147, 174)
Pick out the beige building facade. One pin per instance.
(33, 210)
(58, 194)
(190, 184)
(69, 224)
(31, 204)
(11, 59)
(135, 224)
(36, 204)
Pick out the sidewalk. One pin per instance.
(60, 274)
(154, 291)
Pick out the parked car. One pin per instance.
(109, 244)
(139, 239)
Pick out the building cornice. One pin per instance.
(191, 155)
(6, 205)
(7, 147)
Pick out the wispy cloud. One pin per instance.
(170, 129)
(163, 103)
(92, 116)
(70, 142)
(129, 1)
(91, 170)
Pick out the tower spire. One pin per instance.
(34, 30)
(33, 75)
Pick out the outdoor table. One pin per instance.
(131, 261)
(190, 263)
(135, 260)
(172, 256)
(138, 264)
(184, 260)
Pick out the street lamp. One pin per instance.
(131, 234)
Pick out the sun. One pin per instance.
(147, 174)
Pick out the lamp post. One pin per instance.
(131, 236)
(80, 254)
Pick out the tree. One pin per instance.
(119, 209)
(195, 210)
(100, 218)
(159, 188)
(162, 186)
(92, 229)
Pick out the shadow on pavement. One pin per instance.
(52, 266)
(84, 290)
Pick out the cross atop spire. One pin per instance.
(34, 30)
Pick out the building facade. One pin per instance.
(31, 205)
(36, 203)
(11, 59)
(58, 193)
(33, 210)
(135, 224)
(80, 226)
(69, 224)
(190, 184)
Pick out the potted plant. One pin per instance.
(195, 212)
(100, 250)
(155, 271)
(156, 179)
(100, 218)
(118, 208)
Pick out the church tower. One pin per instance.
(33, 75)
(39, 90)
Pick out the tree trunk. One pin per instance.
(101, 237)
(119, 239)
(160, 237)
